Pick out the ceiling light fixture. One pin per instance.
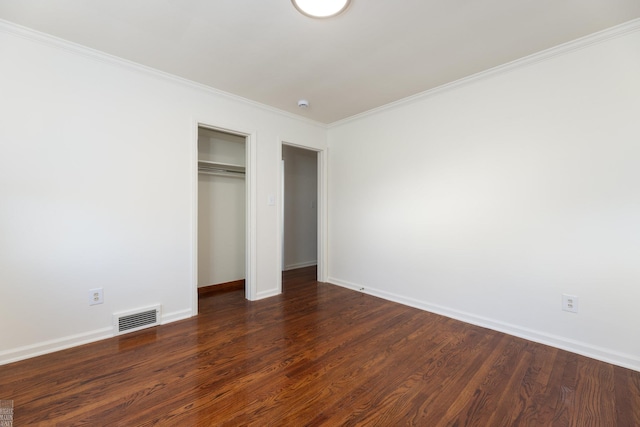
(320, 8)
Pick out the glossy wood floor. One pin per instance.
(318, 355)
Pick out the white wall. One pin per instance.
(97, 185)
(221, 211)
(489, 200)
(300, 207)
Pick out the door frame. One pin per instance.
(251, 286)
(321, 203)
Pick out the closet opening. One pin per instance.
(299, 208)
(222, 210)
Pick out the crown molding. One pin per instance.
(87, 52)
(544, 55)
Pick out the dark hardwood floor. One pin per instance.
(318, 355)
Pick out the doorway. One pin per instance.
(299, 207)
(224, 241)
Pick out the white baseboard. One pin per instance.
(175, 316)
(300, 265)
(595, 352)
(51, 346)
(38, 349)
(267, 294)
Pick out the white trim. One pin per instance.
(75, 48)
(267, 294)
(51, 346)
(595, 352)
(176, 315)
(280, 216)
(251, 178)
(194, 217)
(544, 55)
(300, 265)
(323, 230)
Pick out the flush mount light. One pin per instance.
(321, 8)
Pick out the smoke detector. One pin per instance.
(303, 103)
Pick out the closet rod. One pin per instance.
(223, 173)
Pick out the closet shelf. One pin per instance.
(221, 169)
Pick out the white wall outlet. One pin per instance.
(570, 303)
(95, 296)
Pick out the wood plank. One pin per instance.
(318, 355)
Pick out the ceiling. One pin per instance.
(377, 52)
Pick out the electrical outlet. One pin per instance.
(95, 296)
(570, 303)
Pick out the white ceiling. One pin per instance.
(377, 52)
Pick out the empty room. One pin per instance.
(323, 213)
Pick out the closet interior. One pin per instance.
(221, 208)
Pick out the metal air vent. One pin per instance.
(136, 320)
